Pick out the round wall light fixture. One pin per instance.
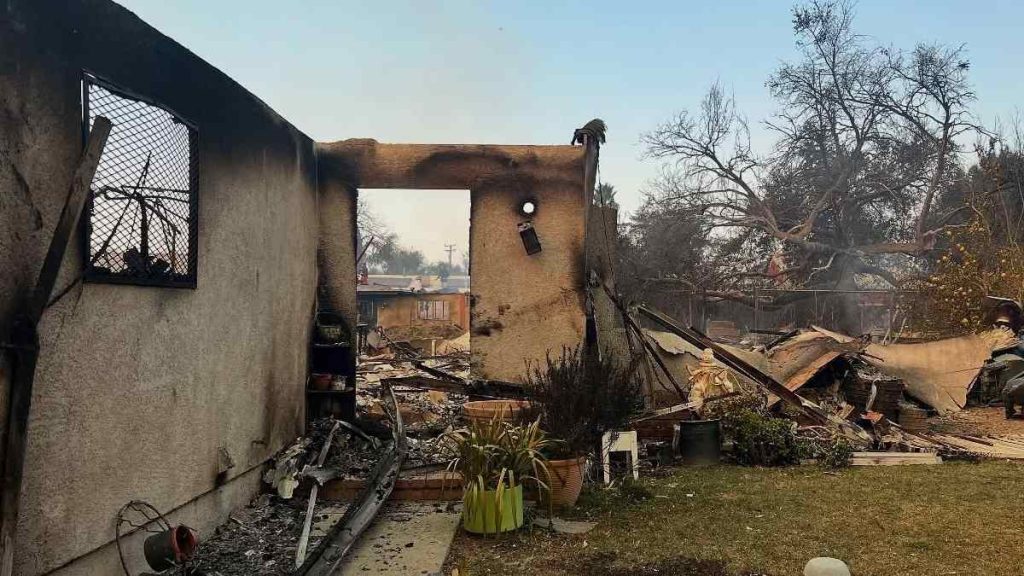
(528, 207)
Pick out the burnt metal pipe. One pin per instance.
(328, 556)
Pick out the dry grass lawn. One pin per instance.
(954, 518)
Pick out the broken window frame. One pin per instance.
(92, 274)
(427, 309)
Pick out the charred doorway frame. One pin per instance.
(522, 169)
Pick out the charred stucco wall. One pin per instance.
(336, 251)
(138, 387)
(525, 306)
(522, 306)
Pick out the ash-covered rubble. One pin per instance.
(262, 537)
(259, 539)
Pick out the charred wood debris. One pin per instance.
(831, 386)
(405, 404)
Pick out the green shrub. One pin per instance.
(754, 401)
(760, 440)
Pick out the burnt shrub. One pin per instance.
(831, 453)
(582, 395)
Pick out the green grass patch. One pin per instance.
(956, 518)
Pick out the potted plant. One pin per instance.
(581, 395)
(495, 459)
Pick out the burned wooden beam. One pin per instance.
(484, 389)
(328, 556)
(632, 325)
(436, 372)
(654, 355)
(23, 345)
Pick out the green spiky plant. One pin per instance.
(497, 456)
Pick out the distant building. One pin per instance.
(414, 304)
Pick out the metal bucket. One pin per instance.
(698, 441)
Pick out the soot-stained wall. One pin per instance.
(138, 388)
(523, 306)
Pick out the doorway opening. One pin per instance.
(413, 272)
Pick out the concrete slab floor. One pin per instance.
(406, 538)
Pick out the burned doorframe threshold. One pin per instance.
(328, 556)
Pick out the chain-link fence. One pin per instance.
(143, 209)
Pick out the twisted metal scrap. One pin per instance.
(327, 557)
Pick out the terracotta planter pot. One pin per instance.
(566, 481)
(320, 381)
(513, 411)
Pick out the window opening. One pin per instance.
(141, 221)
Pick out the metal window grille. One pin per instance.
(141, 222)
(434, 310)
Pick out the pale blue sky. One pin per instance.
(531, 71)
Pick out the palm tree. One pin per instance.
(605, 195)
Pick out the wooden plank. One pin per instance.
(986, 448)
(796, 381)
(895, 455)
(1012, 440)
(70, 214)
(804, 375)
(1005, 447)
(894, 458)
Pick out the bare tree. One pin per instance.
(373, 237)
(866, 140)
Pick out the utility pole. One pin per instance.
(449, 248)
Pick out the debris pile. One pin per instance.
(880, 400)
(428, 393)
(836, 386)
(259, 539)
